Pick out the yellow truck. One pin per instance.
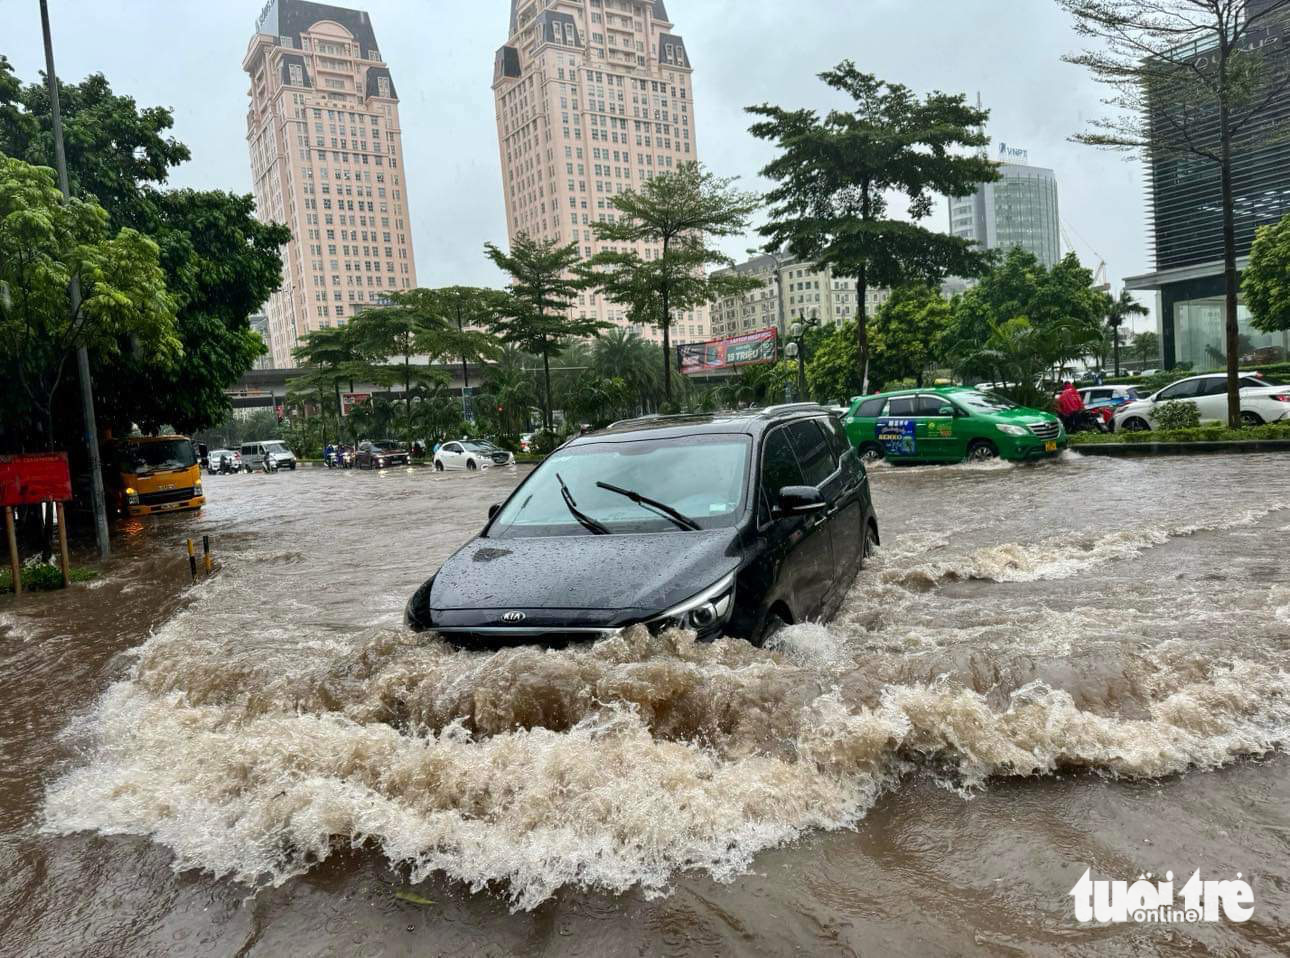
(151, 474)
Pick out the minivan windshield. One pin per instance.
(703, 478)
(277, 447)
(141, 458)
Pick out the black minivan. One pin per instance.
(728, 524)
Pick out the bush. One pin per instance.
(1177, 415)
(1211, 433)
(544, 443)
(44, 577)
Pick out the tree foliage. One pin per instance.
(1120, 310)
(48, 242)
(679, 211)
(1266, 281)
(1021, 286)
(535, 314)
(219, 262)
(908, 332)
(834, 174)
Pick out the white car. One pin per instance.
(471, 455)
(1262, 401)
(1117, 394)
(232, 455)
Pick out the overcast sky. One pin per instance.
(187, 55)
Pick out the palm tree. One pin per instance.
(1121, 309)
(622, 353)
(510, 389)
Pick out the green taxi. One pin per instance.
(950, 424)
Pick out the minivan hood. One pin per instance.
(644, 572)
(1022, 414)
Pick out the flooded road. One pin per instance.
(1085, 663)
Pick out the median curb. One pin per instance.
(1180, 448)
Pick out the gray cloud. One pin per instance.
(187, 55)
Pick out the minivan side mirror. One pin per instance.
(800, 500)
(493, 510)
(947, 411)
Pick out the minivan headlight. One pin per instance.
(1008, 429)
(702, 612)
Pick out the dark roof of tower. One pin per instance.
(660, 11)
(290, 18)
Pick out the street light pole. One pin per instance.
(799, 340)
(82, 355)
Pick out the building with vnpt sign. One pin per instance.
(327, 160)
(593, 98)
(1186, 219)
(1019, 209)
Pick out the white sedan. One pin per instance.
(1262, 401)
(471, 455)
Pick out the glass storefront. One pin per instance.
(1199, 339)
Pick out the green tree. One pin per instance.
(622, 352)
(470, 308)
(832, 371)
(509, 391)
(677, 213)
(536, 312)
(1019, 352)
(834, 175)
(908, 330)
(1146, 347)
(414, 325)
(1266, 281)
(331, 358)
(220, 262)
(1120, 310)
(1020, 285)
(1192, 88)
(46, 242)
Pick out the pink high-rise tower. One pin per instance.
(327, 160)
(593, 98)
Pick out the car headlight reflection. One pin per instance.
(702, 612)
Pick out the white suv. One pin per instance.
(1262, 401)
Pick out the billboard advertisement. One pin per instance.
(760, 346)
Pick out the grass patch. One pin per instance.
(1216, 433)
(44, 578)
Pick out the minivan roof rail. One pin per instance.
(791, 407)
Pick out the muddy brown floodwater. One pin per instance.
(1046, 669)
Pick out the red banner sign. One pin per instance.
(38, 477)
(756, 347)
(349, 400)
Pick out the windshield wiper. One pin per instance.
(599, 528)
(680, 518)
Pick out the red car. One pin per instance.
(381, 454)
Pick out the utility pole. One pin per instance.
(82, 354)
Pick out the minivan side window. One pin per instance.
(836, 435)
(871, 408)
(779, 468)
(814, 451)
(1183, 390)
(901, 406)
(932, 406)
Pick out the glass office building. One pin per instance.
(1020, 209)
(1186, 225)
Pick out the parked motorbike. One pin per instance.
(1086, 420)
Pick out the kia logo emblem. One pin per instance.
(514, 617)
